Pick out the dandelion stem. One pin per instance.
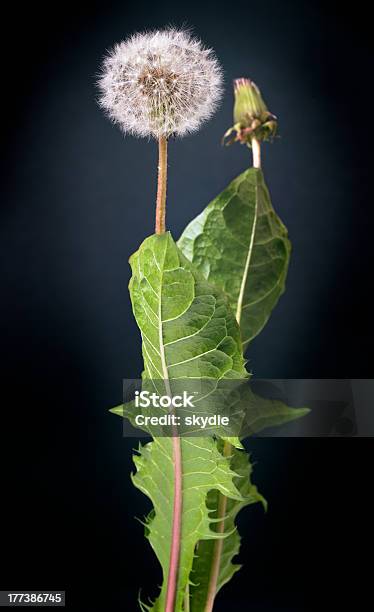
(256, 152)
(176, 528)
(218, 544)
(161, 184)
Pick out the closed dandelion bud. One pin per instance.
(252, 118)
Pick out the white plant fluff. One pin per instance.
(160, 83)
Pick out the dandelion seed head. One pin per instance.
(160, 83)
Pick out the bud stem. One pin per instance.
(161, 184)
(218, 544)
(256, 152)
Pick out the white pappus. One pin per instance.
(160, 83)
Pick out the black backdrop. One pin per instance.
(78, 199)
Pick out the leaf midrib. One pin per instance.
(248, 260)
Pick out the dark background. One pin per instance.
(77, 200)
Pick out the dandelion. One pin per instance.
(253, 122)
(159, 84)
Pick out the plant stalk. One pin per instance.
(161, 184)
(176, 530)
(176, 526)
(256, 152)
(218, 544)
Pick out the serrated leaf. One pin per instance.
(204, 469)
(201, 569)
(188, 330)
(240, 245)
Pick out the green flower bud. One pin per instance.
(249, 104)
(252, 119)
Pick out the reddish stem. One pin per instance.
(176, 530)
(176, 526)
(161, 185)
